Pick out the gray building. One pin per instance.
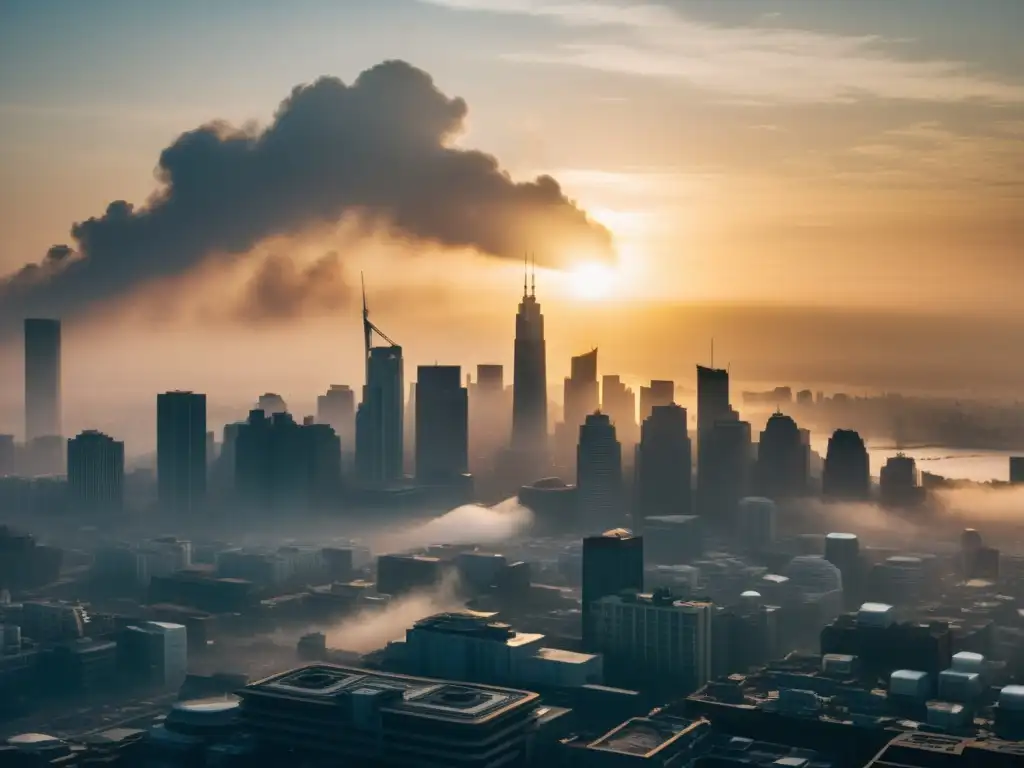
(181, 451)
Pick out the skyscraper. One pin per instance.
(847, 472)
(271, 403)
(723, 471)
(181, 451)
(599, 475)
(712, 399)
(337, 408)
(783, 459)
(529, 377)
(898, 482)
(663, 465)
(619, 402)
(42, 378)
(612, 562)
(442, 424)
(582, 396)
(380, 418)
(660, 392)
(95, 472)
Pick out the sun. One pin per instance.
(591, 281)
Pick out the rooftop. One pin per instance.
(563, 657)
(646, 736)
(410, 696)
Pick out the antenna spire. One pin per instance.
(533, 275)
(526, 271)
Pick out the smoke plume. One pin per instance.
(380, 149)
(374, 628)
(468, 524)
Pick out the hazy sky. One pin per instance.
(802, 162)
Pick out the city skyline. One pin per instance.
(891, 219)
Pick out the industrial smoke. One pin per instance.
(378, 151)
(468, 524)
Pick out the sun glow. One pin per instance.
(591, 281)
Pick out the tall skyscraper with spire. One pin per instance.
(380, 418)
(529, 378)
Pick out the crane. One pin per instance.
(368, 327)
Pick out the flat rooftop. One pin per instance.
(646, 736)
(564, 657)
(412, 696)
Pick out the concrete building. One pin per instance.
(156, 652)
(847, 472)
(442, 425)
(358, 717)
(655, 640)
(42, 378)
(181, 452)
(660, 392)
(599, 485)
(664, 466)
(95, 473)
(612, 562)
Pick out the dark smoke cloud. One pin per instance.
(379, 148)
(281, 289)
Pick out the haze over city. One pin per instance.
(833, 194)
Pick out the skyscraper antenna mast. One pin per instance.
(533, 275)
(526, 271)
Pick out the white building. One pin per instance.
(158, 650)
(656, 637)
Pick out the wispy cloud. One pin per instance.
(752, 64)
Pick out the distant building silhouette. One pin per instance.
(599, 475)
(847, 472)
(899, 484)
(490, 377)
(713, 403)
(337, 408)
(8, 455)
(181, 451)
(663, 465)
(284, 466)
(783, 459)
(95, 473)
(1017, 470)
(442, 424)
(843, 551)
(660, 392)
(271, 403)
(619, 402)
(380, 419)
(612, 563)
(42, 383)
(724, 471)
(529, 386)
(490, 417)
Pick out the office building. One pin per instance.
(619, 402)
(660, 392)
(847, 472)
(756, 523)
(599, 490)
(582, 395)
(783, 459)
(284, 466)
(654, 641)
(442, 424)
(337, 408)
(490, 417)
(155, 652)
(380, 418)
(1017, 470)
(490, 377)
(475, 648)
(843, 551)
(612, 563)
(181, 451)
(95, 472)
(42, 378)
(723, 471)
(530, 383)
(663, 470)
(347, 716)
(712, 399)
(899, 483)
(8, 455)
(400, 574)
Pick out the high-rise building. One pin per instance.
(442, 424)
(8, 455)
(1017, 470)
(271, 403)
(898, 482)
(380, 419)
(843, 551)
(663, 465)
(181, 451)
(284, 466)
(660, 392)
(337, 408)
(712, 399)
(42, 380)
(490, 377)
(783, 459)
(619, 402)
(582, 396)
(95, 472)
(529, 385)
(723, 471)
(847, 472)
(490, 418)
(599, 475)
(612, 563)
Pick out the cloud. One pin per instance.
(281, 289)
(748, 64)
(380, 149)
(468, 524)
